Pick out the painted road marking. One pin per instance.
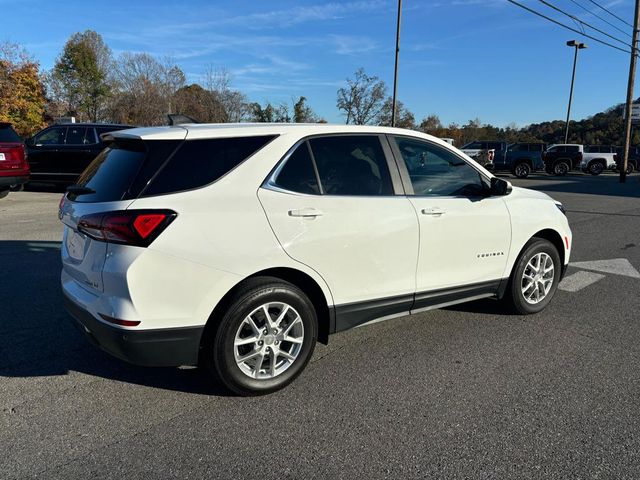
(579, 280)
(617, 266)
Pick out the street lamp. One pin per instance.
(577, 46)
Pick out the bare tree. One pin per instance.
(146, 87)
(362, 99)
(230, 105)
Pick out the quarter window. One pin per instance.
(352, 165)
(80, 136)
(298, 174)
(434, 170)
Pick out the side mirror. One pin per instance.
(499, 187)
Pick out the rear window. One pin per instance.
(130, 168)
(201, 162)
(8, 134)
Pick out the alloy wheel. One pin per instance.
(537, 278)
(268, 341)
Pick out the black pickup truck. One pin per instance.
(520, 159)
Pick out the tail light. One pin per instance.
(129, 227)
(14, 157)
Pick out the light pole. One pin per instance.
(577, 46)
(395, 68)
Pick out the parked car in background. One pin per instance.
(237, 247)
(520, 159)
(634, 159)
(561, 159)
(484, 151)
(60, 153)
(14, 168)
(598, 158)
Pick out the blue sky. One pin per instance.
(460, 59)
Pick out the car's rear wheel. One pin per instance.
(522, 170)
(4, 193)
(535, 277)
(596, 168)
(265, 337)
(561, 168)
(17, 188)
(629, 168)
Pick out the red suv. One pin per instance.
(14, 169)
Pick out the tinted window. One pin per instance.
(80, 136)
(572, 149)
(593, 149)
(53, 136)
(298, 175)
(352, 165)
(536, 147)
(518, 147)
(8, 134)
(436, 171)
(494, 145)
(200, 162)
(111, 172)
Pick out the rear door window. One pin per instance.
(352, 165)
(8, 134)
(200, 162)
(80, 136)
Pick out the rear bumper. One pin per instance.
(167, 347)
(13, 180)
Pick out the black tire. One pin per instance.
(514, 298)
(218, 348)
(4, 193)
(629, 168)
(596, 167)
(522, 170)
(561, 168)
(17, 188)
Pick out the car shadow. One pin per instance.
(606, 184)
(37, 337)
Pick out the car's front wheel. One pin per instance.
(265, 337)
(535, 277)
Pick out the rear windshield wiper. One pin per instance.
(80, 190)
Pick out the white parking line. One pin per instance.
(618, 266)
(579, 280)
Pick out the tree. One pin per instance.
(146, 89)
(22, 100)
(79, 80)
(430, 124)
(362, 99)
(197, 103)
(404, 118)
(302, 113)
(232, 104)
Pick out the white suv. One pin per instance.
(236, 247)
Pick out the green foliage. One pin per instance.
(80, 75)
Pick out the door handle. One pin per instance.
(433, 211)
(305, 212)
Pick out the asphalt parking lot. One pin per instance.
(464, 392)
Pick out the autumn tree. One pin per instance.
(404, 117)
(231, 104)
(79, 82)
(22, 100)
(199, 104)
(362, 99)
